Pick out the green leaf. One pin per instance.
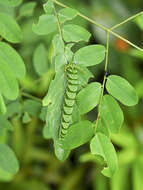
(58, 45)
(88, 97)
(27, 9)
(121, 90)
(102, 128)
(136, 53)
(4, 124)
(47, 132)
(8, 83)
(102, 146)
(111, 114)
(48, 7)
(68, 53)
(11, 3)
(8, 161)
(2, 105)
(67, 14)
(84, 75)
(12, 59)
(78, 134)
(62, 154)
(26, 118)
(75, 33)
(32, 107)
(46, 25)
(40, 60)
(139, 21)
(13, 108)
(60, 62)
(9, 29)
(54, 99)
(5, 176)
(90, 55)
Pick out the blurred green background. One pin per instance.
(39, 168)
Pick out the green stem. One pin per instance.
(103, 27)
(58, 23)
(30, 96)
(104, 80)
(126, 20)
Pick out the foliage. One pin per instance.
(79, 87)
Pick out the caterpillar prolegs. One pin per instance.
(69, 99)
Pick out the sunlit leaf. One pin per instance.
(61, 153)
(122, 90)
(75, 33)
(111, 114)
(78, 134)
(84, 75)
(46, 25)
(48, 7)
(66, 14)
(90, 55)
(88, 97)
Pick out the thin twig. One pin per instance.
(103, 27)
(104, 80)
(126, 20)
(58, 23)
(31, 96)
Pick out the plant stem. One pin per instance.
(58, 23)
(31, 97)
(126, 20)
(103, 27)
(104, 80)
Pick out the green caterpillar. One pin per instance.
(69, 99)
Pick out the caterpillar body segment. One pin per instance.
(69, 99)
